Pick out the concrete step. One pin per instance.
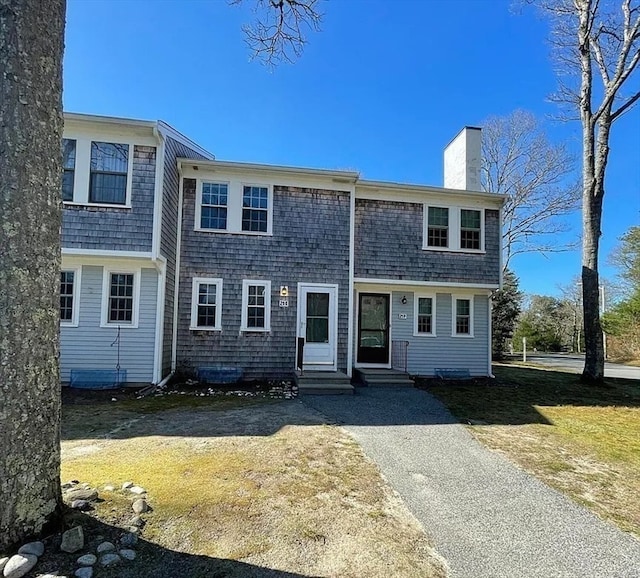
(323, 383)
(383, 378)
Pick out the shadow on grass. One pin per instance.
(152, 560)
(511, 398)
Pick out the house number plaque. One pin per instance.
(402, 315)
(283, 303)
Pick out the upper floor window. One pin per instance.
(255, 208)
(462, 316)
(121, 297)
(234, 207)
(206, 304)
(438, 227)
(68, 168)
(424, 315)
(213, 214)
(470, 229)
(454, 229)
(256, 305)
(97, 172)
(69, 288)
(109, 171)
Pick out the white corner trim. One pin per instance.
(159, 333)
(106, 285)
(158, 196)
(454, 299)
(244, 328)
(195, 284)
(416, 298)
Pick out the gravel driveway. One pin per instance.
(486, 517)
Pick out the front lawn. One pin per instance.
(243, 488)
(582, 440)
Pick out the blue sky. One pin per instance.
(382, 89)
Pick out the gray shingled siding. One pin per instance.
(114, 229)
(90, 346)
(443, 351)
(310, 243)
(388, 245)
(168, 236)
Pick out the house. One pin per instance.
(173, 260)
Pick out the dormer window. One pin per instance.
(109, 168)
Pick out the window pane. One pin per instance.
(214, 194)
(463, 306)
(318, 304)
(424, 305)
(370, 338)
(470, 219)
(207, 302)
(109, 157)
(108, 188)
(121, 298)
(254, 220)
(213, 218)
(317, 330)
(255, 317)
(424, 324)
(68, 153)
(207, 294)
(67, 185)
(66, 295)
(439, 216)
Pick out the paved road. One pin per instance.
(486, 517)
(576, 363)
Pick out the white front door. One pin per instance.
(318, 324)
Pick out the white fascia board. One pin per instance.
(71, 252)
(484, 288)
(343, 178)
(168, 130)
(110, 129)
(380, 190)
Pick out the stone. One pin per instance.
(105, 547)
(137, 490)
(128, 554)
(89, 494)
(53, 574)
(140, 506)
(109, 559)
(133, 529)
(87, 560)
(35, 548)
(18, 565)
(127, 485)
(82, 505)
(85, 572)
(72, 540)
(137, 521)
(109, 488)
(3, 562)
(129, 539)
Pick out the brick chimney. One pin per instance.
(462, 160)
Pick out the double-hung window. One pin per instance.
(438, 227)
(206, 304)
(470, 229)
(121, 297)
(68, 168)
(255, 209)
(462, 316)
(108, 173)
(425, 315)
(256, 305)
(69, 288)
(213, 211)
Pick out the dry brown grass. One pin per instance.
(297, 497)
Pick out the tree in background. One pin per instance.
(519, 161)
(598, 48)
(31, 122)
(504, 314)
(546, 323)
(622, 321)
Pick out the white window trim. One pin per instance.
(416, 297)
(106, 286)
(75, 311)
(195, 284)
(235, 192)
(198, 221)
(82, 172)
(454, 308)
(454, 229)
(245, 304)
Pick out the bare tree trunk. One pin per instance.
(31, 46)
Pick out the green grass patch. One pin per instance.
(584, 440)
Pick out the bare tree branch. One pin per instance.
(279, 31)
(520, 162)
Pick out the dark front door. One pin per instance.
(373, 328)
